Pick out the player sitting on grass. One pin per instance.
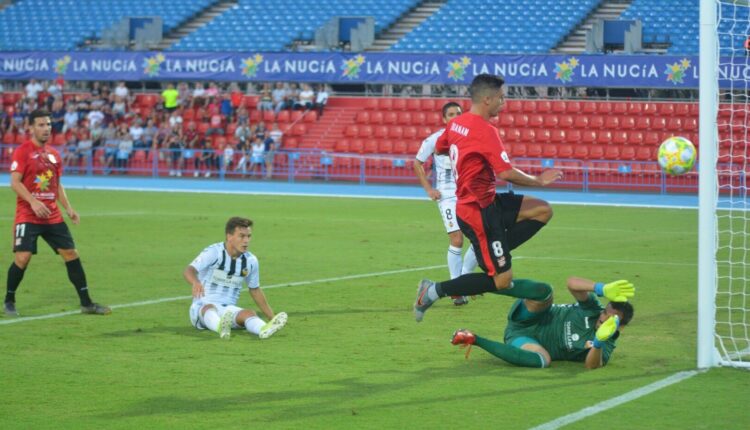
(539, 332)
(217, 276)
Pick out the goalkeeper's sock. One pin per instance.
(15, 275)
(211, 319)
(454, 261)
(523, 231)
(527, 289)
(471, 284)
(254, 324)
(78, 278)
(511, 354)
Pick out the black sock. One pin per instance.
(523, 231)
(78, 278)
(470, 284)
(15, 275)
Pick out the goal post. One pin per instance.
(724, 213)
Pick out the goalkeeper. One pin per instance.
(539, 332)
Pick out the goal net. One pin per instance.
(730, 120)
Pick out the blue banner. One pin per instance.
(645, 71)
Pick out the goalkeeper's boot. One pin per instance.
(460, 300)
(271, 327)
(96, 309)
(10, 309)
(464, 338)
(225, 325)
(423, 301)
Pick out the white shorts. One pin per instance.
(195, 309)
(447, 209)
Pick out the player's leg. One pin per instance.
(24, 246)
(209, 317)
(58, 237)
(524, 216)
(255, 325)
(469, 262)
(447, 209)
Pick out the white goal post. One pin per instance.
(724, 215)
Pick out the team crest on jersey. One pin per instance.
(42, 181)
(52, 158)
(501, 262)
(244, 272)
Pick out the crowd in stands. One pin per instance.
(193, 128)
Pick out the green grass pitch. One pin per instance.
(351, 355)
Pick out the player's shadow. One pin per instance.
(328, 398)
(180, 330)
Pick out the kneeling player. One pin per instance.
(217, 276)
(539, 332)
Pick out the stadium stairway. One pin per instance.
(329, 129)
(405, 24)
(575, 41)
(196, 22)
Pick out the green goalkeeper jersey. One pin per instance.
(563, 330)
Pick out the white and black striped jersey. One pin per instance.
(222, 276)
(444, 180)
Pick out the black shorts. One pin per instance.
(57, 236)
(487, 230)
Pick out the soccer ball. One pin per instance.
(676, 155)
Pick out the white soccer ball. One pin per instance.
(677, 155)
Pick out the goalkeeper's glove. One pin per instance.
(606, 331)
(617, 291)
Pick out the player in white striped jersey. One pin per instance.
(444, 193)
(218, 275)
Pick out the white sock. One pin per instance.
(454, 261)
(211, 320)
(470, 261)
(254, 324)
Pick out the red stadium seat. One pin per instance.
(400, 147)
(290, 142)
(363, 117)
(573, 136)
(372, 104)
(351, 130)
(513, 135)
(550, 121)
(565, 151)
(635, 108)
(572, 107)
(604, 137)
(340, 146)
(404, 118)
(268, 116)
(521, 120)
(529, 106)
(666, 109)
(694, 109)
(565, 121)
(534, 150)
(514, 106)
(410, 132)
(390, 118)
(536, 120)
(658, 123)
(612, 122)
(250, 102)
(365, 131)
(549, 151)
(581, 152)
(285, 117)
(413, 105)
(231, 128)
(528, 135)
(682, 109)
(433, 119)
(543, 106)
(612, 152)
(357, 146)
(518, 150)
(385, 104)
(588, 136)
(558, 106)
(424, 131)
(604, 108)
(10, 138)
(635, 138)
(596, 152)
(543, 135)
(380, 131)
(386, 146)
(371, 146)
(619, 137)
(395, 132)
(506, 120)
(627, 152)
(645, 153)
(376, 117)
(581, 121)
(675, 124)
(557, 135)
(203, 127)
(413, 146)
(596, 122)
(627, 123)
(418, 118)
(620, 108)
(650, 109)
(428, 105)
(589, 108)
(643, 123)
(299, 130)
(690, 124)
(399, 104)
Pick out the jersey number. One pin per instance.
(497, 248)
(448, 215)
(20, 230)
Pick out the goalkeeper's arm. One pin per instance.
(595, 357)
(617, 291)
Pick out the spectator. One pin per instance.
(1, 89)
(280, 97)
(58, 117)
(33, 88)
(260, 131)
(161, 140)
(121, 91)
(170, 98)
(256, 156)
(235, 96)
(212, 92)
(70, 159)
(243, 135)
(186, 98)
(272, 144)
(124, 148)
(95, 117)
(216, 126)
(266, 101)
(119, 108)
(242, 115)
(226, 108)
(227, 155)
(149, 135)
(208, 158)
(111, 144)
(54, 89)
(136, 134)
(305, 99)
(321, 99)
(175, 119)
(71, 118)
(97, 133)
(175, 145)
(199, 95)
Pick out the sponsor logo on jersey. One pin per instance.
(14, 166)
(575, 337)
(42, 181)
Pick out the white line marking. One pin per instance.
(101, 214)
(172, 299)
(593, 260)
(616, 401)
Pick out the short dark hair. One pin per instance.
(627, 311)
(450, 105)
(237, 222)
(484, 82)
(38, 113)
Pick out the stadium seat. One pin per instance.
(371, 146)
(390, 117)
(549, 151)
(404, 118)
(627, 123)
(400, 147)
(635, 108)
(581, 121)
(433, 119)
(365, 131)
(572, 107)
(418, 118)
(428, 105)
(372, 104)
(596, 122)
(604, 108)
(604, 137)
(645, 153)
(675, 124)
(543, 136)
(395, 132)
(534, 150)
(543, 106)
(596, 152)
(635, 138)
(565, 151)
(627, 152)
(581, 152)
(514, 106)
(528, 135)
(588, 136)
(557, 136)
(521, 120)
(385, 147)
(518, 150)
(10, 138)
(650, 109)
(682, 109)
(351, 131)
(385, 104)
(589, 108)
(558, 107)
(612, 122)
(550, 121)
(398, 104)
(658, 123)
(410, 132)
(573, 136)
(619, 137)
(565, 121)
(666, 109)
(528, 106)
(536, 120)
(376, 117)
(413, 105)
(356, 146)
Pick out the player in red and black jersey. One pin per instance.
(495, 223)
(35, 177)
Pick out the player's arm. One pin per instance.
(62, 197)
(422, 176)
(16, 184)
(519, 177)
(595, 358)
(580, 288)
(191, 276)
(616, 291)
(260, 300)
